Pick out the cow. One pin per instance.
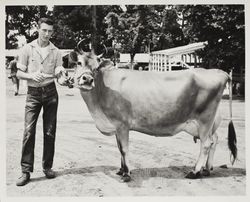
(159, 104)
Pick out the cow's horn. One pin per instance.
(79, 49)
(106, 51)
(100, 56)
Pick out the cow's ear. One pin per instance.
(73, 58)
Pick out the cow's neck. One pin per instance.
(102, 122)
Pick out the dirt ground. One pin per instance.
(86, 161)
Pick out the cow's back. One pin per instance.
(151, 101)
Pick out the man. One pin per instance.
(39, 63)
(13, 71)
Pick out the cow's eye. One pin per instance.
(79, 63)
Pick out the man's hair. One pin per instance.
(48, 21)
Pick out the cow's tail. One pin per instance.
(232, 140)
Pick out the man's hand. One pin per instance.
(38, 77)
(63, 77)
(59, 70)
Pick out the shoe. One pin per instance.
(23, 180)
(49, 173)
(16, 93)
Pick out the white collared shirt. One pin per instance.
(33, 59)
(44, 51)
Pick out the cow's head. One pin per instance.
(86, 66)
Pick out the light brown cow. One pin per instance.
(155, 103)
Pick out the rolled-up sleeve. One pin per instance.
(22, 62)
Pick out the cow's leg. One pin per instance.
(209, 163)
(206, 142)
(121, 171)
(122, 137)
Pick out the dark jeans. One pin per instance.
(37, 98)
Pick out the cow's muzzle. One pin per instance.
(86, 81)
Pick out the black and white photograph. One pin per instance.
(124, 99)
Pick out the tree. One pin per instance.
(171, 32)
(127, 29)
(74, 23)
(151, 26)
(68, 28)
(223, 27)
(20, 21)
(141, 28)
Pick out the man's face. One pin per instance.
(45, 31)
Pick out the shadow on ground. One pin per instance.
(140, 175)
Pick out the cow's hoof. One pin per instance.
(193, 175)
(120, 172)
(205, 173)
(224, 166)
(126, 178)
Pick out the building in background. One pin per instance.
(182, 57)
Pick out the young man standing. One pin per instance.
(38, 62)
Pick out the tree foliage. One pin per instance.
(74, 23)
(141, 28)
(19, 22)
(68, 28)
(223, 27)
